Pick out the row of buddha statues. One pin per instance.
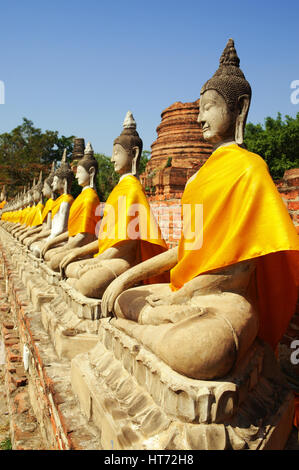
(198, 306)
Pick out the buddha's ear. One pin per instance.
(135, 151)
(243, 107)
(65, 188)
(92, 172)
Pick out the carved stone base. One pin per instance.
(138, 402)
(70, 318)
(69, 334)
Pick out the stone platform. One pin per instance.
(70, 318)
(138, 402)
(94, 386)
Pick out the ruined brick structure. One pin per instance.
(177, 154)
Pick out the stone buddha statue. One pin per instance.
(116, 249)
(35, 218)
(62, 182)
(234, 277)
(83, 218)
(27, 212)
(41, 231)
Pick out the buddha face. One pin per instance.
(121, 160)
(216, 119)
(58, 184)
(47, 191)
(36, 195)
(83, 177)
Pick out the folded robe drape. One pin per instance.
(84, 213)
(127, 215)
(57, 203)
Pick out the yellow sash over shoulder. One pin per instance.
(30, 216)
(23, 215)
(37, 219)
(63, 198)
(128, 216)
(47, 208)
(243, 218)
(84, 213)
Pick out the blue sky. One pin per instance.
(78, 66)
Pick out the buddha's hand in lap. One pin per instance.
(45, 249)
(69, 258)
(114, 289)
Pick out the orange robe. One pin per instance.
(37, 219)
(47, 208)
(2, 204)
(127, 215)
(84, 213)
(63, 198)
(30, 216)
(244, 218)
(24, 214)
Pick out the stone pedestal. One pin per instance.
(70, 319)
(138, 402)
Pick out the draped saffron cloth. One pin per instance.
(128, 216)
(243, 218)
(23, 215)
(30, 216)
(47, 208)
(84, 213)
(57, 203)
(2, 204)
(37, 219)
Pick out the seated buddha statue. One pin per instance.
(128, 231)
(44, 222)
(12, 211)
(83, 217)
(41, 231)
(235, 276)
(62, 182)
(27, 214)
(36, 213)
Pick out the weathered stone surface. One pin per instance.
(138, 402)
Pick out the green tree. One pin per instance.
(107, 178)
(25, 151)
(145, 156)
(277, 142)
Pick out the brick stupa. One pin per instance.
(177, 154)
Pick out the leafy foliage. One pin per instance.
(6, 444)
(277, 142)
(25, 151)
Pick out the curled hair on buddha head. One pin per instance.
(65, 172)
(229, 81)
(129, 138)
(39, 185)
(50, 177)
(89, 160)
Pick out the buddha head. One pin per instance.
(47, 187)
(225, 100)
(87, 168)
(3, 194)
(37, 189)
(127, 148)
(63, 177)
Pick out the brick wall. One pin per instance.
(167, 210)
